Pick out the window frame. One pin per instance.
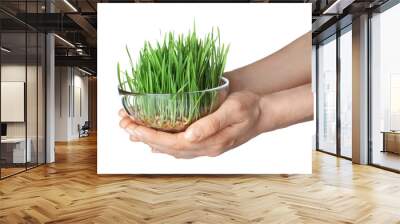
(333, 37)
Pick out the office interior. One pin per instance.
(48, 127)
(367, 79)
(48, 94)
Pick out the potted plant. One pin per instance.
(176, 81)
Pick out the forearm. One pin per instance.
(286, 68)
(285, 108)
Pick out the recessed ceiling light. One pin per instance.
(338, 6)
(70, 5)
(64, 40)
(84, 71)
(5, 50)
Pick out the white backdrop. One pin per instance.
(253, 31)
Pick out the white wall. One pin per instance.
(70, 83)
(62, 82)
(16, 73)
(12, 101)
(79, 117)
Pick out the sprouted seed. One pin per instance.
(169, 78)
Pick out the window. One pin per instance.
(346, 92)
(327, 95)
(385, 89)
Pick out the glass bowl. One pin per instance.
(173, 112)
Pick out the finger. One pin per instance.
(204, 147)
(220, 142)
(152, 136)
(211, 124)
(185, 157)
(125, 122)
(133, 138)
(163, 149)
(208, 147)
(211, 146)
(153, 150)
(179, 154)
(122, 113)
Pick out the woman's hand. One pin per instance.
(284, 99)
(234, 123)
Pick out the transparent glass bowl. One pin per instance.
(173, 112)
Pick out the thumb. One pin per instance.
(207, 125)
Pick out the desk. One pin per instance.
(15, 148)
(391, 141)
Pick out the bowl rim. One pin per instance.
(223, 86)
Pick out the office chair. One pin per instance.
(84, 130)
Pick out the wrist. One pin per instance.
(269, 114)
(235, 84)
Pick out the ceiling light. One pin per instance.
(84, 71)
(5, 50)
(65, 41)
(70, 5)
(338, 6)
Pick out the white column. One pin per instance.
(50, 100)
(360, 90)
(50, 92)
(314, 90)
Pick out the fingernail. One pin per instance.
(122, 113)
(191, 135)
(129, 131)
(133, 138)
(133, 132)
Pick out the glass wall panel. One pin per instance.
(41, 78)
(346, 93)
(32, 87)
(327, 95)
(13, 94)
(32, 96)
(385, 87)
(22, 108)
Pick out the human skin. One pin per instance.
(271, 93)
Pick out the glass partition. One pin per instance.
(327, 95)
(22, 67)
(32, 96)
(385, 89)
(346, 92)
(13, 95)
(41, 107)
